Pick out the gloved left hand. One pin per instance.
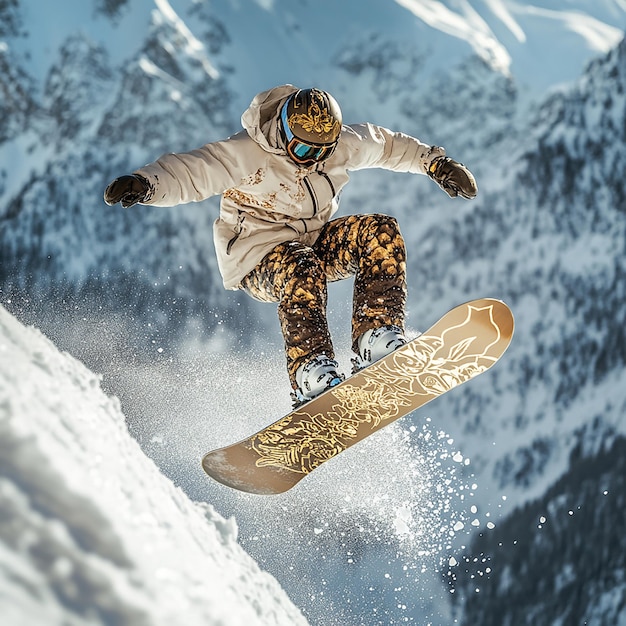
(454, 178)
(128, 190)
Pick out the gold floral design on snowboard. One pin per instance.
(427, 367)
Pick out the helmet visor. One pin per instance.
(301, 151)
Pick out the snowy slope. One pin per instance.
(91, 532)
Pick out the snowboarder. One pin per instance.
(280, 180)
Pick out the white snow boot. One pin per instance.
(376, 343)
(315, 377)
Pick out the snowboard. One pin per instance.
(465, 342)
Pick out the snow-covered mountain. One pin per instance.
(560, 558)
(530, 96)
(99, 88)
(549, 238)
(91, 531)
(566, 374)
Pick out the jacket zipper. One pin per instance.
(330, 182)
(311, 193)
(232, 240)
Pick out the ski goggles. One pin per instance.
(300, 151)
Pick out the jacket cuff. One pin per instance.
(433, 153)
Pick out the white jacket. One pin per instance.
(266, 198)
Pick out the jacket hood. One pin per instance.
(260, 119)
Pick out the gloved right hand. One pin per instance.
(453, 177)
(129, 190)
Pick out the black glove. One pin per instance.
(128, 190)
(454, 178)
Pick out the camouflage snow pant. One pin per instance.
(368, 247)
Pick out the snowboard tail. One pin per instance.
(465, 342)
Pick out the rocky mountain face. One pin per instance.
(61, 246)
(560, 557)
(554, 232)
